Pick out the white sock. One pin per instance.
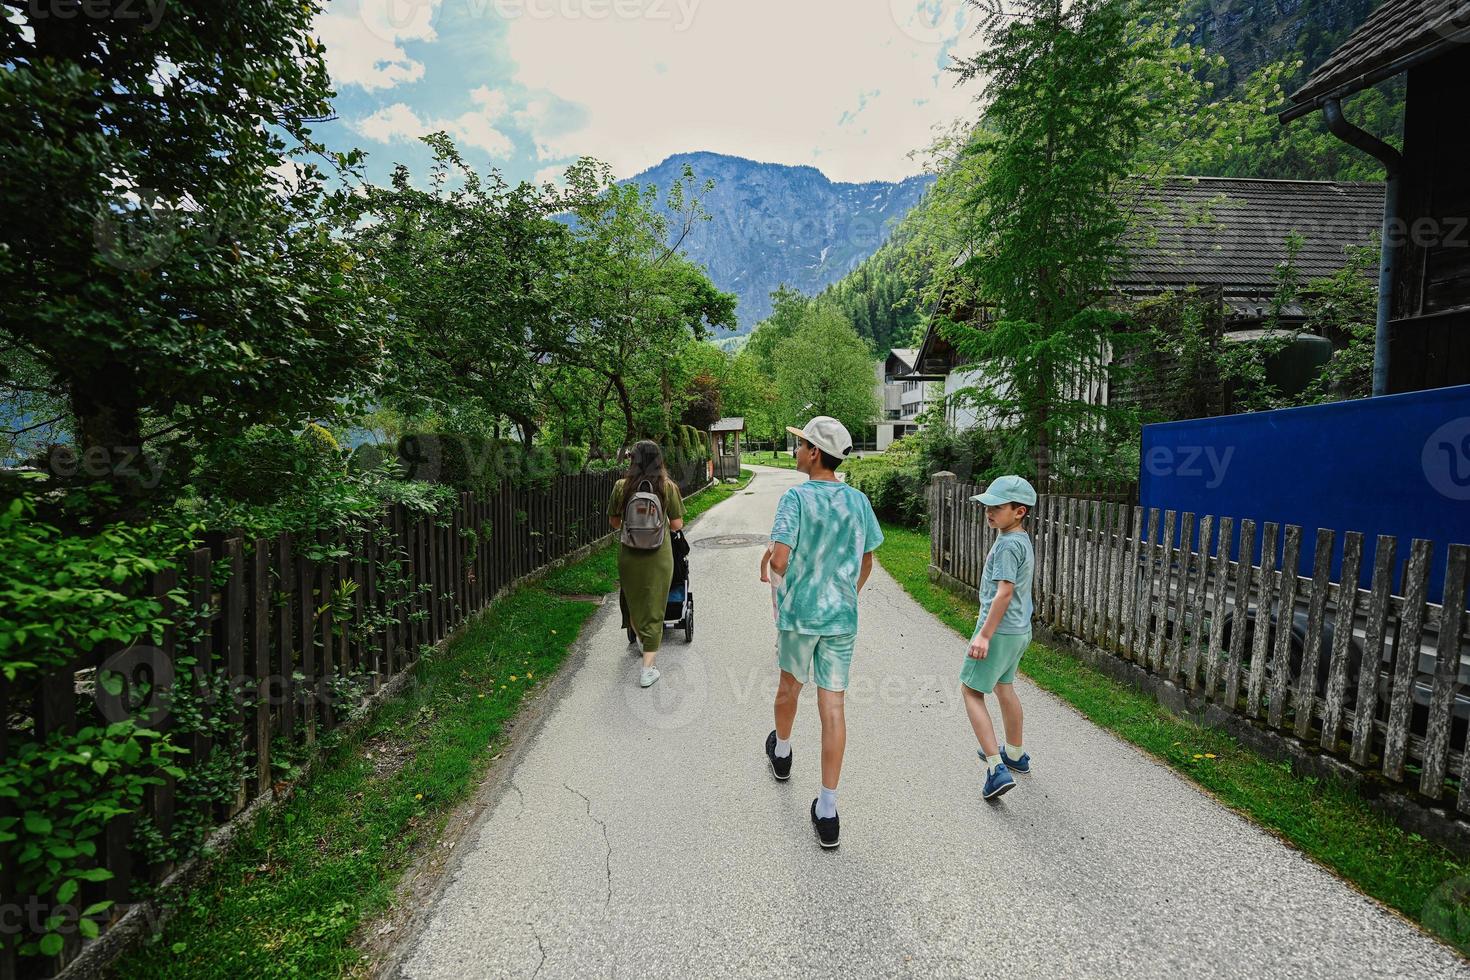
(1014, 751)
(783, 747)
(991, 761)
(827, 803)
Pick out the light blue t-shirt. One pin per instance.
(1011, 559)
(829, 526)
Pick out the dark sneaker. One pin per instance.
(826, 828)
(780, 768)
(998, 783)
(1021, 766)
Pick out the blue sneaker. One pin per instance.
(1021, 766)
(998, 783)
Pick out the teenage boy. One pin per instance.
(1002, 632)
(825, 534)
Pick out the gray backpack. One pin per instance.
(643, 519)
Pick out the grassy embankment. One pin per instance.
(1323, 818)
(287, 899)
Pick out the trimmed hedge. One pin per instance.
(474, 463)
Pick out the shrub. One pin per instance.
(265, 464)
(451, 458)
(574, 459)
(894, 481)
(475, 463)
(370, 457)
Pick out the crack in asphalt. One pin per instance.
(539, 945)
(519, 796)
(605, 841)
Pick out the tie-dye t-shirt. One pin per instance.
(829, 526)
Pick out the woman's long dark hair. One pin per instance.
(646, 462)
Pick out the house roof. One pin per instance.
(1231, 233)
(732, 424)
(1228, 233)
(904, 355)
(1396, 35)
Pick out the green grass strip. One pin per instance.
(782, 460)
(287, 899)
(1324, 818)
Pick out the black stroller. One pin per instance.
(679, 610)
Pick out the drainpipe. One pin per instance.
(1393, 163)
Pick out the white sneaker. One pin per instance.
(650, 674)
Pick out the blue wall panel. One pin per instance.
(1399, 465)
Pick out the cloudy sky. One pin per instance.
(848, 86)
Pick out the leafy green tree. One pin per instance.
(633, 300)
(475, 269)
(825, 368)
(1073, 90)
(160, 271)
(788, 307)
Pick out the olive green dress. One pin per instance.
(645, 576)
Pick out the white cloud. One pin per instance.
(400, 123)
(767, 79)
(364, 40)
(391, 124)
(551, 175)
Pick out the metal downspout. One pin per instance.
(1393, 162)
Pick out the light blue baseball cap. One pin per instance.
(1008, 490)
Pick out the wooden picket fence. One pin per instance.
(298, 653)
(1129, 583)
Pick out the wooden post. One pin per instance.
(941, 526)
(1406, 657)
(1306, 694)
(1374, 631)
(235, 612)
(1446, 673)
(1183, 556)
(260, 651)
(1286, 620)
(285, 638)
(1337, 670)
(1165, 562)
(1244, 571)
(324, 688)
(1215, 655)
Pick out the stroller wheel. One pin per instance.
(689, 621)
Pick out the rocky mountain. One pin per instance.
(773, 224)
(1250, 33)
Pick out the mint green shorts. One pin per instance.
(999, 665)
(804, 656)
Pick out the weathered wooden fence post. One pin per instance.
(941, 517)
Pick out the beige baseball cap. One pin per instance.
(827, 434)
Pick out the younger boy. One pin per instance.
(1002, 633)
(825, 534)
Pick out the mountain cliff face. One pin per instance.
(1251, 33)
(773, 224)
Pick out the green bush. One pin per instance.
(895, 482)
(574, 458)
(371, 456)
(475, 463)
(264, 464)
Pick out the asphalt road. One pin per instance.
(641, 834)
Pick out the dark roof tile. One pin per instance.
(1397, 29)
(1229, 232)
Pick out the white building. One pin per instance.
(903, 398)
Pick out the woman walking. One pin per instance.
(646, 573)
